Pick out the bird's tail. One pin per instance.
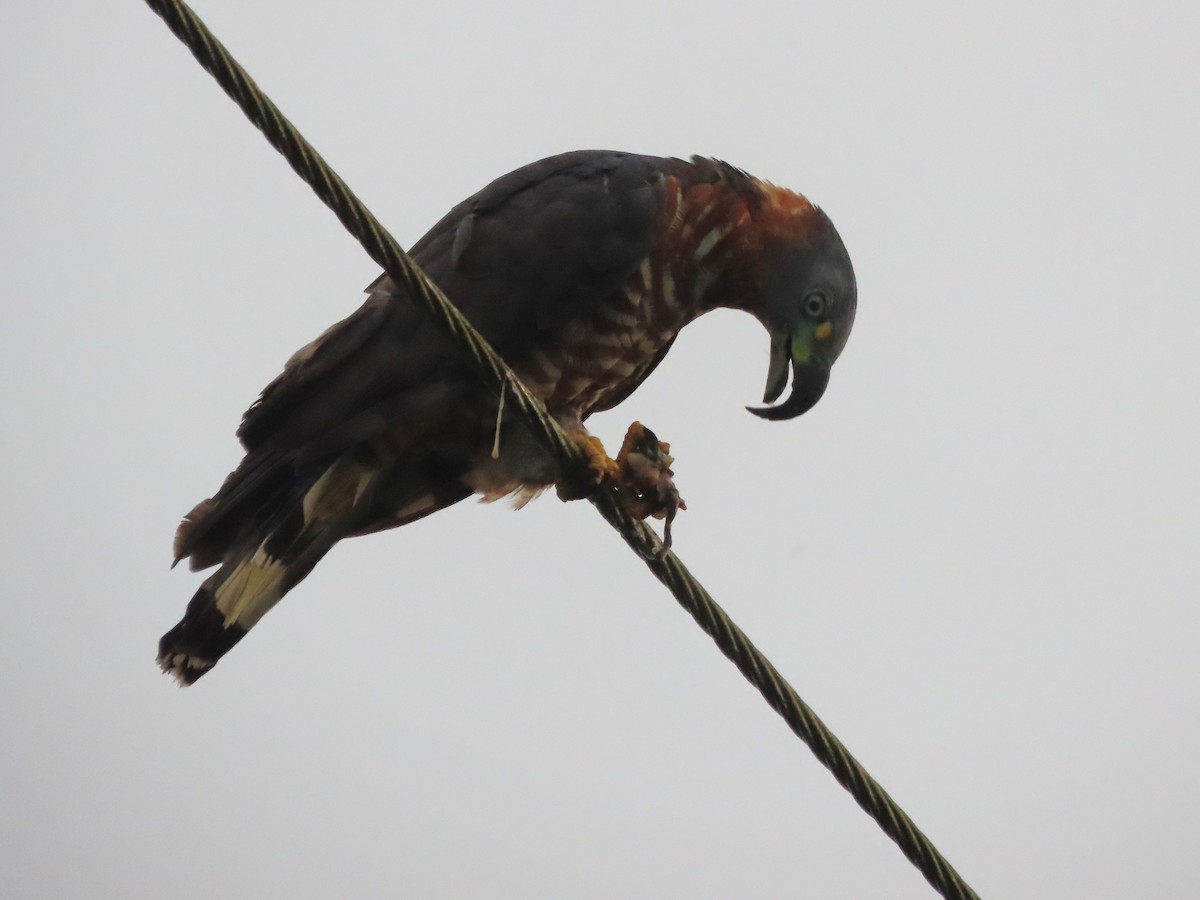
(275, 542)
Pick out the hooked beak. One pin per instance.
(809, 380)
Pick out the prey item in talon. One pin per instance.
(646, 486)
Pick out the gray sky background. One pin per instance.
(977, 558)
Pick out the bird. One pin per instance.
(580, 269)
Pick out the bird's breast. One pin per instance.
(610, 348)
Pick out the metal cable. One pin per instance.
(496, 374)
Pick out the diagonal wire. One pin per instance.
(496, 374)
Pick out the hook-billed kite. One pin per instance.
(580, 270)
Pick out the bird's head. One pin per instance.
(806, 298)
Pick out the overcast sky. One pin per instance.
(977, 558)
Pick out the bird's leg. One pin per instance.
(646, 485)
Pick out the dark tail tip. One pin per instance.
(200, 639)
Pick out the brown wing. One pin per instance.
(524, 255)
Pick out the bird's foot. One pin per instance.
(646, 485)
(641, 476)
(601, 468)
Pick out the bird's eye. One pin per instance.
(815, 305)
